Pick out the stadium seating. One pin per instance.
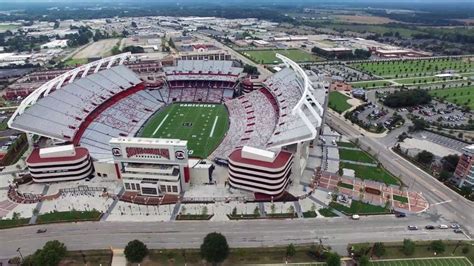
(60, 114)
(124, 118)
(252, 122)
(287, 90)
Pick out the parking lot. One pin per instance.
(376, 116)
(448, 115)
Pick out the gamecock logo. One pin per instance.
(180, 155)
(116, 152)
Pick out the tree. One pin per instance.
(438, 246)
(450, 162)
(408, 247)
(364, 261)
(333, 259)
(214, 248)
(425, 157)
(379, 249)
(290, 250)
(135, 251)
(50, 255)
(251, 70)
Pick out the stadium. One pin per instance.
(199, 104)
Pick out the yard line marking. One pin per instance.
(162, 121)
(213, 127)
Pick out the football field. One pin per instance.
(202, 125)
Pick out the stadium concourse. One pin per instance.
(95, 106)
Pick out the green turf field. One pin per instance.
(414, 68)
(202, 125)
(463, 96)
(457, 261)
(338, 101)
(269, 56)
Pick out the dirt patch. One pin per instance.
(101, 48)
(364, 19)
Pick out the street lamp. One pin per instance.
(19, 252)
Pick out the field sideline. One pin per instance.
(202, 125)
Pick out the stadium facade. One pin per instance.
(103, 106)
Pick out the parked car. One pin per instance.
(443, 226)
(458, 231)
(430, 227)
(412, 227)
(455, 226)
(355, 217)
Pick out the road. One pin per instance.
(336, 232)
(445, 204)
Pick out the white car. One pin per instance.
(355, 217)
(443, 226)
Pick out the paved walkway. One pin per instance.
(112, 206)
(118, 258)
(325, 205)
(34, 216)
(261, 208)
(175, 211)
(298, 210)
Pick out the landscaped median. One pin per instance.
(54, 217)
(9, 223)
(182, 217)
(69, 216)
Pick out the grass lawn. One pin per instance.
(414, 68)
(237, 256)
(87, 257)
(338, 102)
(355, 155)
(244, 216)
(346, 144)
(358, 207)
(8, 223)
(422, 250)
(202, 125)
(5, 27)
(326, 212)
(344, 185)
(370, 84)
(268, 57)
(68, 216)
(423, 262)
(425, 80)
(400, 198)
(310, 214)
(193, 217)
(75, 62)
(372, 173)
(463, 96)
